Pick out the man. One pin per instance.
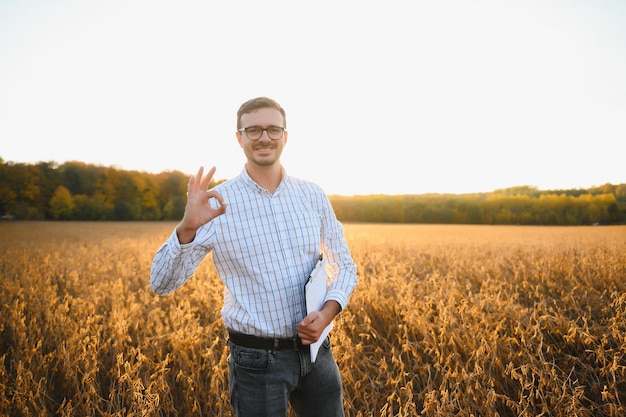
(265, 230)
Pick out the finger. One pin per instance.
(190, 184)
(198, 181)
(207, 179)
(307, 342)
(306, 337)
(214, 194)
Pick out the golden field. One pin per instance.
(445, 321)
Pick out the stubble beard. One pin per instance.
(265, 160)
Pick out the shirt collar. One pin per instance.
(252, 184)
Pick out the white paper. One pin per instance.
(315, 292)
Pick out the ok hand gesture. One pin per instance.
(198, 211)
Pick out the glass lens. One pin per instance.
(254, 132)
(275, 132)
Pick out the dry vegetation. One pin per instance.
(446, 321)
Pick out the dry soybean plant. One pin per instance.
(445, 321)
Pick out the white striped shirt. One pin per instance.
(264, 248)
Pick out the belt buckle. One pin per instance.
(295, 343)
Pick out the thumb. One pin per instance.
(307, 320)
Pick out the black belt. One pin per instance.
(267, 343)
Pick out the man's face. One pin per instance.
(263, 151)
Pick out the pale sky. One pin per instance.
(382, 97)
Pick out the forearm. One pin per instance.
(343, 278)
(341, 267)
(330, 310)
(173, 265)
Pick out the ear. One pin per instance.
(286, 135)
(239, 138)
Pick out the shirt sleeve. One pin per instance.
(340, 267)
(174, 263)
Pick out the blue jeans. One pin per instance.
(264, 382)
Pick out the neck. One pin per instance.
(268, 177)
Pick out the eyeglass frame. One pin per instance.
(245, 129)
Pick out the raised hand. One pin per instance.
(198, 211)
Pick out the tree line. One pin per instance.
(79, 191)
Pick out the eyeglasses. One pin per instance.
(255, 132)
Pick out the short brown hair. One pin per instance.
(259, 103)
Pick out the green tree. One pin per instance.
(174, 208)
(61, 204)
(88, 208)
